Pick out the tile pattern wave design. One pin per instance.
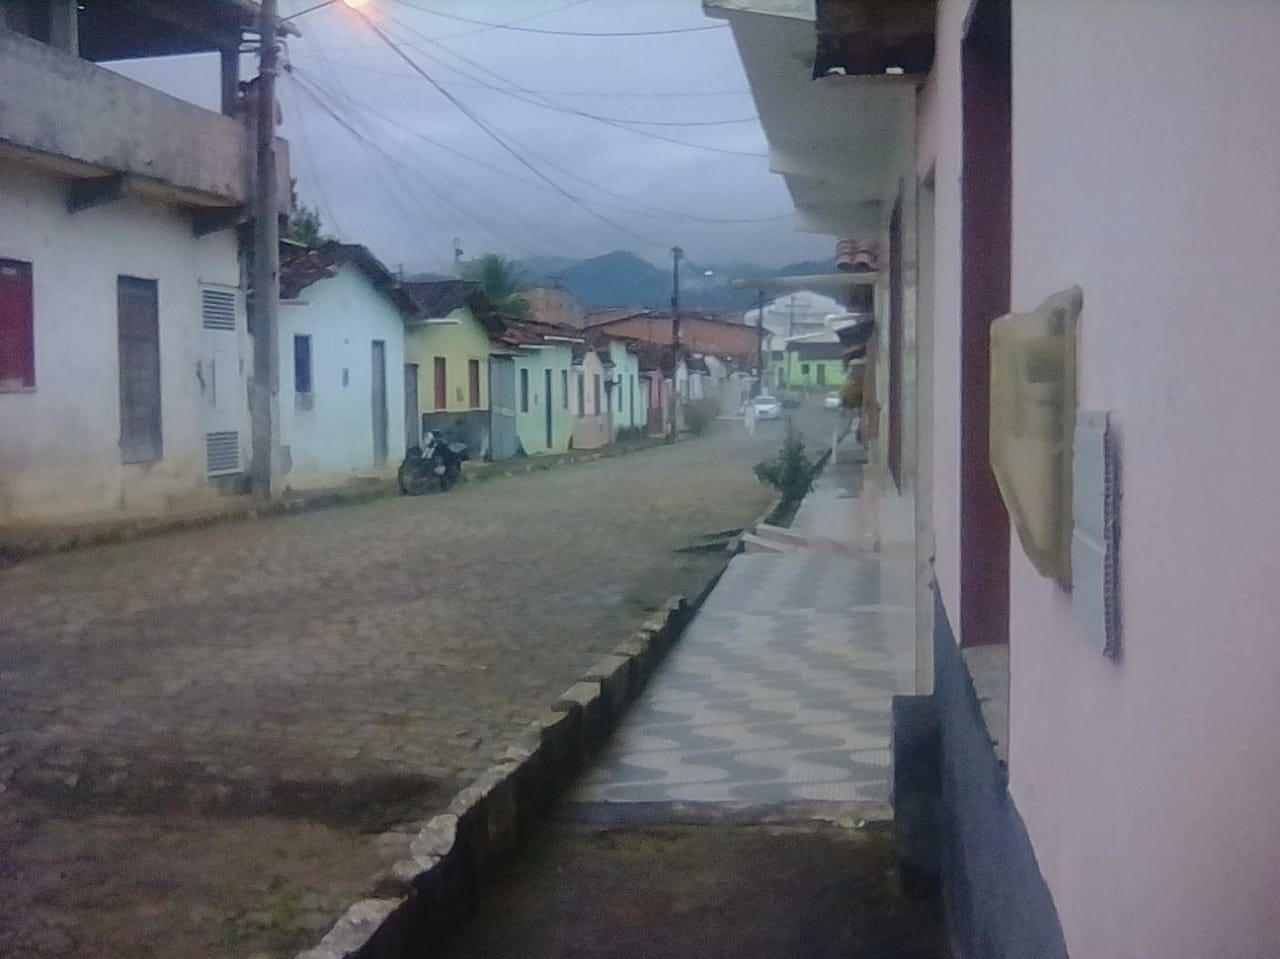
(779, 692)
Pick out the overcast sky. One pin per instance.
(392, 163)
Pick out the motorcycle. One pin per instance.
(439, 460)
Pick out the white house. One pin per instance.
(591, 427)
(122, 325)
(800, 312)
(342, 386)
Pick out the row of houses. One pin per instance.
(126, 351)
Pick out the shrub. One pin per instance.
(789, 472)
(699, 415)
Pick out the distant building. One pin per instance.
(555, 306)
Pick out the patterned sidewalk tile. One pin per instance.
(780, 691)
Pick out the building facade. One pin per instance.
(341, 347)
(447, 360)
(118, 209)
(1088, 610)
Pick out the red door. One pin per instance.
(440, 379)
(473, 379)
(17, 340)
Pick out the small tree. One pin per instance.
(500, 278)
(789, 472)
(305, 225)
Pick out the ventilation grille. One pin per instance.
(222, 452)
(218, 309)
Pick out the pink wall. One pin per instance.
(939, 145)
(1147, 170)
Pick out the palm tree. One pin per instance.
(500, 278)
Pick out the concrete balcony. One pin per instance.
(112, 135)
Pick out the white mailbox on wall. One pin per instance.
(1033, 407)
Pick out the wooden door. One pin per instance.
(381, 441)
(412, 414)
(551, 440)
(138, 307)
(473, 384)
(503, 442)
(440, 382)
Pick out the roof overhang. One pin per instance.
(130, 29)
(831, 139)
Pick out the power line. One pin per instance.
(495, 137)
(541, 101)
(597, 94)
(479, 85)
(659, 211)
(315, 171)
(445, 196)
(562, 33)
(369, 146)
(641, 208)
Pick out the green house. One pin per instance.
(814, 362)
(544, 420)
(446, 356)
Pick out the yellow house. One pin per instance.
(446, 355)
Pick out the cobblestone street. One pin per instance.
(202, 736)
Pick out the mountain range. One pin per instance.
(622, 278)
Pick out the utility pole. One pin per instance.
(266, 263)
(760, 345)
(676, 255)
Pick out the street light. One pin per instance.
(353, 4)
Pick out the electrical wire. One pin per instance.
(640, 208)
(400, 190)
(541, 101)
(465, 110)
(309, 152)
(354, 125)
(562, 33)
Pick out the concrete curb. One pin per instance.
(422, 897)
(19, 544)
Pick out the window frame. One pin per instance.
(474, 390)
(24, 370)
(304, 339)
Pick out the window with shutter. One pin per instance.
(139, 355)
(17, 327)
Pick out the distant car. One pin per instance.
(767, 408)
(831, 401)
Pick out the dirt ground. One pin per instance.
(205, 736)
(703, 892)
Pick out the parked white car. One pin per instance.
(831, 401)
(767, 407)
